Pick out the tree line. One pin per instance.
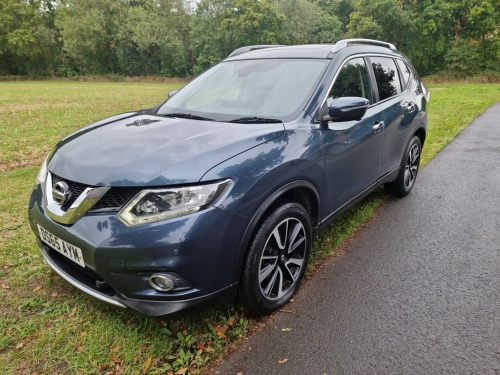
(179, 38)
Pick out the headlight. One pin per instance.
(153, 205)
(42, 172)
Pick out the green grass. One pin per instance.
(452, 107)
(49, 327)
(35, 115)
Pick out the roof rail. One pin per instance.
(241, 50)
(346, 42)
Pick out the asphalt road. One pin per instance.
(416, 292)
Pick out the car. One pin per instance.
(218, 192)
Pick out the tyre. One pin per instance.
(277, 259)
(403, 184)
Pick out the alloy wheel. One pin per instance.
(282, 258)
(411, 167)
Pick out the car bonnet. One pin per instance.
(146, 150)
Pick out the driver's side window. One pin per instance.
(352, 80)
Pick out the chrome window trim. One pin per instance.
(363, 55)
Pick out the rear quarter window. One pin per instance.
(405, 73)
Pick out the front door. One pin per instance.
(352, 149)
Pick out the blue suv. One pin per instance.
(219, 191)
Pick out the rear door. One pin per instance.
(398, 107)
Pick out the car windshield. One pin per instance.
(248, 91)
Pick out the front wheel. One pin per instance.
(403, 184)
(277, 259)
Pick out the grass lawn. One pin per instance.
(47, 326)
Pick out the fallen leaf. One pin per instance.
(116, 348)
(286, 329)
(181, 371)
(104, 367)
(54, 294)
(38, 288)
(5, 286)
(115, 359)
(221, 331)
(239, 373)
(284, 360)
(147, 365)
(20, 345)
(83, 334)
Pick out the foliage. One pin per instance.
(307, 22)
(221, 26)
(182, 37)
(430, 30)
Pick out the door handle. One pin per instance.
(411, 107)
(378, 126)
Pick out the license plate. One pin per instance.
(68, 250)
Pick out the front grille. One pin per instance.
(113, 200)
(75, 187)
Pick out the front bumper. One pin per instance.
(202, 248)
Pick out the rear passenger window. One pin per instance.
(352, 80)
(386, 75)
(405, 73)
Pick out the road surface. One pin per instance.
(418, 289)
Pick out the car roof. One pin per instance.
(318, 51)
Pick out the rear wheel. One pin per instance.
(277, 259)
(403, 184)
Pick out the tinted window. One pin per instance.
(386, 75)
(405, 73)
(352, 80)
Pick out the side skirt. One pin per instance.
(391, 176)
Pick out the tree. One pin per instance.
(253, 22)
(382, 19)
(90, 31)
(307, 22)
(28, 38)
(154, 40)
(221, 26)
(431, 34)
(341, 9)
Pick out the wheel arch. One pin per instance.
(421, 134)
(301, 191)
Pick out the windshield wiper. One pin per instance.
(188, 116)
(256, 120)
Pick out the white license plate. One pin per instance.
(68, 250)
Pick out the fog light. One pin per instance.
(161, 283)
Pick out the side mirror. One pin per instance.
(346, 109)
(172, 93)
